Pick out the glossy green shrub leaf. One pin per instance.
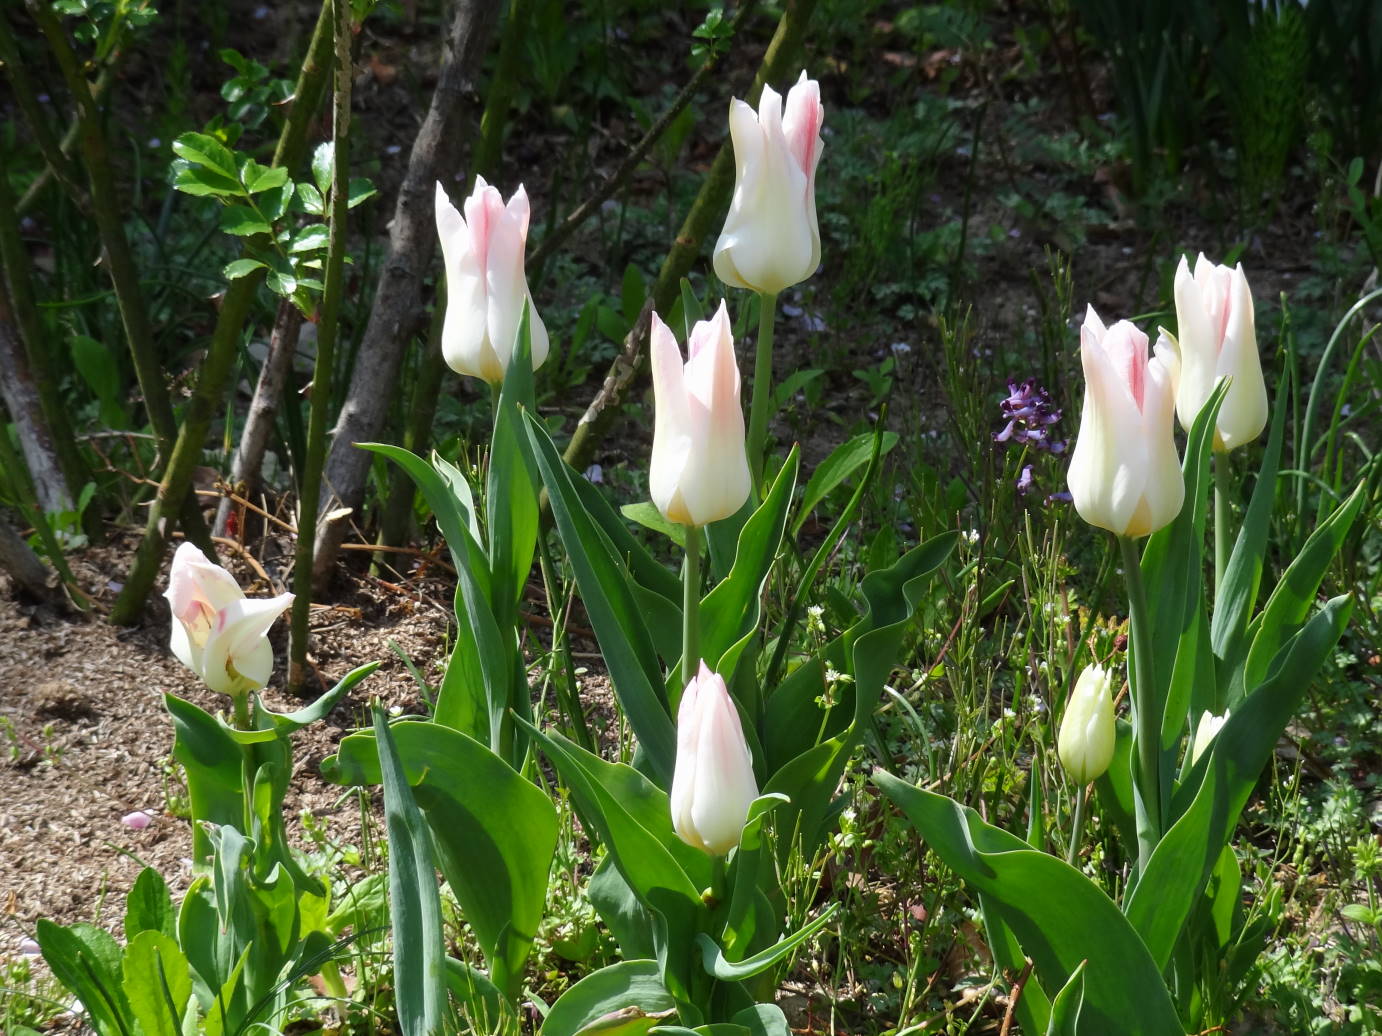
(415, 905)
(1058, 916)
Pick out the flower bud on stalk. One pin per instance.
(1205, 732)
(699, 472)
(219, 633)
(1085, 743)
(486, 285)
(1217, 338)
(1124, 473)
(771, 239)
(713, 783)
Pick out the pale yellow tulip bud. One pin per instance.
(1085, 743)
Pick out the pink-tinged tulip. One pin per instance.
(219, 633)
(771, 240)
(699, 471)
(1085, 742)
(713, 783)
(1124, 474)
(1218, 338)
(486, 285)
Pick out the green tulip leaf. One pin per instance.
(646, 514)
(1065, 1008)
(1060, 918)
(604, 584)
(844, 461)
(495, 847)
(149, 906)
(731, 609)
(415, 904)
(713, 958)
(212, 763)
(1208, 802)
(624, 999)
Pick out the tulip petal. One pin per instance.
(238, 656)
(671, 424)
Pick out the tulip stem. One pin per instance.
(1146, 709)
(1076, 826)
(240, 703)
(691, 605)
(762, 388)
(1222, 478)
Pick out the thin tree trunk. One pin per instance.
(209, 394)
(704, 216)
(27, 325)
(22, 565)
(119, 260)
(22, 400)
(259, 422)
(398, 296)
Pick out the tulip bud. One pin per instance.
(1205, 733)
(699, 471)
(713, 783)
(218, 633)
(1124, 474)
(1218, 338)
(1085, 744)
(486, 285)
(771, 240)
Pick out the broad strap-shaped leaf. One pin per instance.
(649, 572)
(1065, 1008)
(623, 999)
(479, 655)
(736, 971)
(1208, 802)
(511, 492)
(212, 762)
(613, 608)
(495, 832)
(419, 954)
(1236, 596)
(1294, 595)
(730, 610)
(1060, 917)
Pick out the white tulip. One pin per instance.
(486, 285)
(1218, 338)
(1124, 473)
(219, 633)
(713, 783)
(699, 471)
(771, 239)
